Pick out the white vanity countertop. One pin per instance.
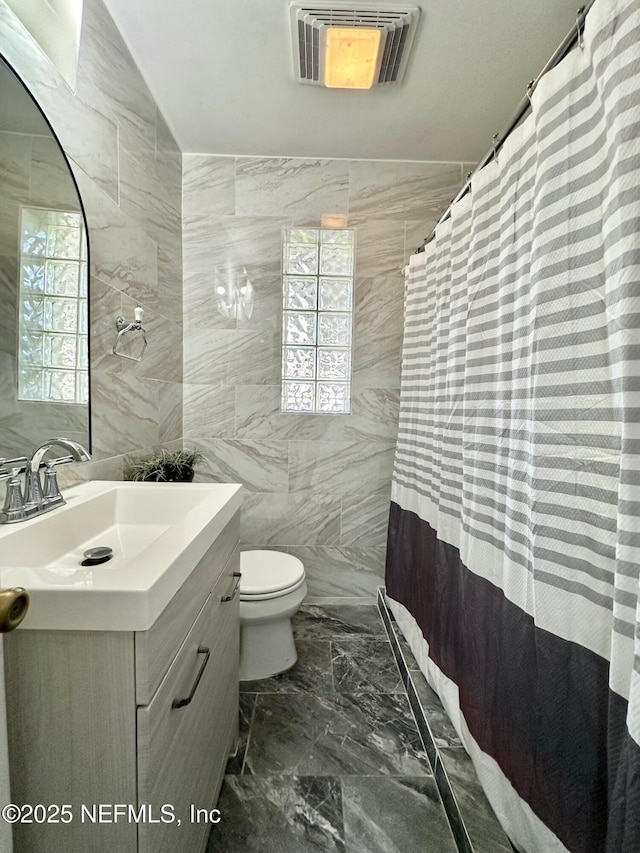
(158, 533)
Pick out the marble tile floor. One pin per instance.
(473, 821)
(330, 757)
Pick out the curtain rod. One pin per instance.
(574, 35)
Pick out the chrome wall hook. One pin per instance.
(123, 326)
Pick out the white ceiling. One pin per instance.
(222, 74)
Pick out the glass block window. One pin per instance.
(317, 327)
(53, 346)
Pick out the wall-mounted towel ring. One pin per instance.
(123, 326)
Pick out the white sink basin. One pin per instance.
(158, 533)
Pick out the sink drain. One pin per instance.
(95, 556)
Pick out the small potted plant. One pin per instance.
(167, 466)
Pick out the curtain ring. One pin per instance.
(580, 27)
(494, 141)
(530, 89)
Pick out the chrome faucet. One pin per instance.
(33, 493)
(35, 500)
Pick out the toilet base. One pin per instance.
(266, 649)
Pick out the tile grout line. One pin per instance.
(340, 778)
(449, 802)
(333, 676)
(246, 746)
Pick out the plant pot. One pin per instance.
(171, 474)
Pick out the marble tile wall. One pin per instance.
(129, 171)
(316, 485)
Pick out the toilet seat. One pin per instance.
(272, 588)
(269, 574)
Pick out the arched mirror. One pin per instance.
(44, 316)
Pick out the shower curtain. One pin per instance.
(514, 535)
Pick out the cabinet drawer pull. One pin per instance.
(180, 703)
(234, 591)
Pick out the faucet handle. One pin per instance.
(51, 490)
(11, 467)
(14, 508)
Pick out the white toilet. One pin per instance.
(272, 588)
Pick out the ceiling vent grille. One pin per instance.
(309, 22)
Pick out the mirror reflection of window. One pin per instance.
(35, 177)
(53, 346)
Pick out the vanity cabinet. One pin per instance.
(143, 721)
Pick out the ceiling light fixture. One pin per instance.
(351, 57)
(351, 46)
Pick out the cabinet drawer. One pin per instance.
(182, 751)
(156, 648)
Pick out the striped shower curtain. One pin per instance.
(514, 538)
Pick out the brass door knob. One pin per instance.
(14, 604)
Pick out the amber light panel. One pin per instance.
(334, 220)
(350, 57)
